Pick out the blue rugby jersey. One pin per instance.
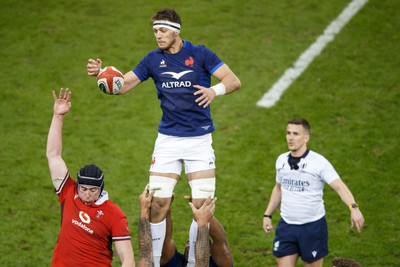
(174, 76)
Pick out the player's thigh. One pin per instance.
(287, 261)
(200, 174)
(196, 154)
(313, 241)
(198, 157)
(318, 263)
(166, 159)
(168, 175)
(202, 167)
(202, 186)
(167, 166)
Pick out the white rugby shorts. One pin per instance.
(170, 153)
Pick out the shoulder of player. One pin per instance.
(153, 53)
(312, 155)
(194, 47)
(67, 185)
(283, 156)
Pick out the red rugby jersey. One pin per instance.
(87, 231)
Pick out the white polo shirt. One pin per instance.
(302, 190)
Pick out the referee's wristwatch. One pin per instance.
(353, 206)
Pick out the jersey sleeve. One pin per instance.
(142, 70)
(211, 61)
(66, 185)
(277, 176)
(280, 163)
(119, 227)
(328, 172)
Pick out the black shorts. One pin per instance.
(178, 260)
(309, 240)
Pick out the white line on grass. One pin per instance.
(274, 93)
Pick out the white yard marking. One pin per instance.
(291, 74)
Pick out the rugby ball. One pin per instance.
(110, 80)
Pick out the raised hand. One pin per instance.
(204, 214)
(62, 103)
(145, 199)
(93, 67)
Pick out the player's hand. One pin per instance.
(62, 103)
(204, 214)
(93, 67)
(207, 95)
(145, 199)
(267, 225)
(357, 219)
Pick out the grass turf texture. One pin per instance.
(350, 94)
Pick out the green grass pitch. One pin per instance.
(350, 94)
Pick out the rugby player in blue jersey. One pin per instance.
(181, 72)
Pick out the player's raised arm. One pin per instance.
(146, 258)
(62, 106)
(203, 216)
(93, 68)
(130, 82)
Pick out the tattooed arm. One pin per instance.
(202, 247)
(144, 235)
(203, 216)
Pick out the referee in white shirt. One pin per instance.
(300, 178)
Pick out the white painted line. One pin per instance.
(274, 93)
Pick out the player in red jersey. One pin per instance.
(90, 222)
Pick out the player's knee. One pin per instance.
(202, 188)
(163, 187)
(160, 204)
(159, 209)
